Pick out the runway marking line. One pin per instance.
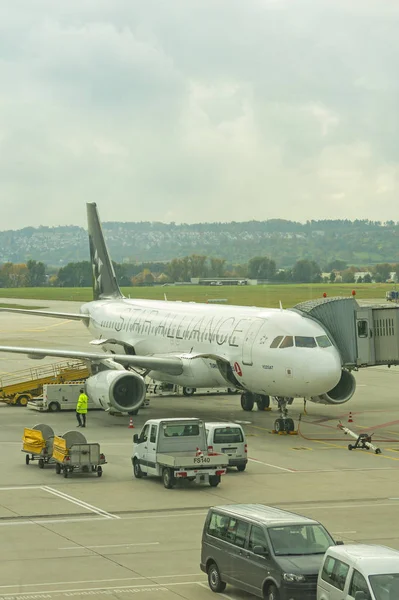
(82, 547)
(98, 589)
(81, 503)
(270, 465)
(140, 578)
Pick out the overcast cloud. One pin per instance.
(198, 110)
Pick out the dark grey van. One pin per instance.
(271, 553)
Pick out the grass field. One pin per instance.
(257, 295)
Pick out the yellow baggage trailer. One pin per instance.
(37, 443)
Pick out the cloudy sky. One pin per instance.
(198, 110)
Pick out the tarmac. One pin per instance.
(121, 537)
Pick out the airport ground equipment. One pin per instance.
(392, 296)
(72, 454)
(363, 440)
(59, 396)
(158, 388)
(20, 387)
(176, 449)
(37, 443)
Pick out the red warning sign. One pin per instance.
(237, 369)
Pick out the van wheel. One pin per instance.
(41, 463)
(137, 472)
(272, 593)
(53, 407)
(27, 459)
(241, 467)
(168, 479)
(214, 580)
(57, 468)
(214, 480)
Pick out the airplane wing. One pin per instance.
(172, 365)
(45, 313)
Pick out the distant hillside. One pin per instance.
(357, 242)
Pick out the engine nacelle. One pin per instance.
(120, 390)
(341, 393)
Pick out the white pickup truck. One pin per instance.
(176, 449)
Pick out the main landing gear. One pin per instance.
(283, 424)
(248, 401)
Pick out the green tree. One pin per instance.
(335, 265)
(261, 267)
(384, 270)
(36, 275)
(306, 271)
(77, 274)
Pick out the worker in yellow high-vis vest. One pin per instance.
(81, 409)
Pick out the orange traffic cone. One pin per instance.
(131, 426)
(350, 420)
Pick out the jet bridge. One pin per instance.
(365, 335)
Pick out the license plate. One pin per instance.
(229, 450)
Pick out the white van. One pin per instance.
(228, 438)
(359, 572)
(59, 396)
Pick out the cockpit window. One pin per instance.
(302, 341)
(276, 341)
(323, 341)
(287, 342)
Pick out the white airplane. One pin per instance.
(262, 352)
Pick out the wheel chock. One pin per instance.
(267, 409)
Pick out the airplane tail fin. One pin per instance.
(105, 284)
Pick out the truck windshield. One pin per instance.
(181, 430)
(385, 586)
(227, 435)
(297, 540)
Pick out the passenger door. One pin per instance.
(152, 451)
(358, 584)
(257, 565)
(236, 535)
(142, 448)
(334, 576)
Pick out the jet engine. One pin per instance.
(341, 393)
(119, 390)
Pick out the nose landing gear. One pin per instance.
(284, 424)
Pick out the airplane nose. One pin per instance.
(324, 372)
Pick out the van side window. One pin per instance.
(237, 532)
(328, 568)
(340, 573)
(153, 435)
(218, 525)
(256, 538)
(359, 584)
(228, 529)
(334, 572)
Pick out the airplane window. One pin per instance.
(323, 341)
(287, 342)
(276, 341)
(304, 342)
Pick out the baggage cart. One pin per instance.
(37, 443)
(73, 454)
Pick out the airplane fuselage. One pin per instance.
(241, 336)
